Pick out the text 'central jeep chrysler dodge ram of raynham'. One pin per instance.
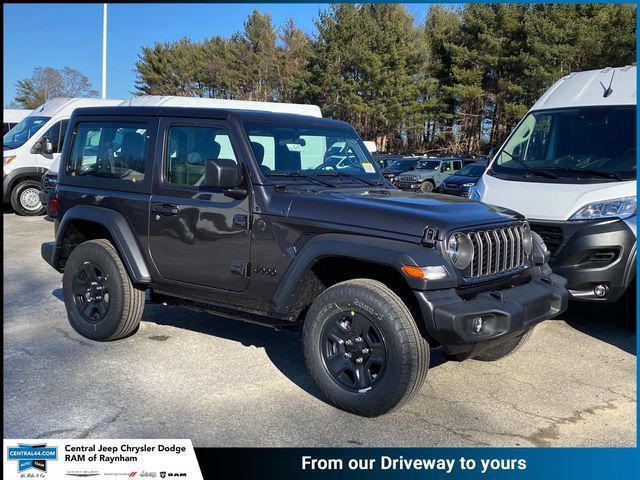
(238, 213)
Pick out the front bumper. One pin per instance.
(412, 186)
(507, 313)
(590, 253)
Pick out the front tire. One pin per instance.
(25, 198)
(504, 349)
(427, 187)
(102, 303)
(363, 348)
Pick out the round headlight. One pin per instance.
(527, 239)
(460, 250)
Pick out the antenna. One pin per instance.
(609, 90)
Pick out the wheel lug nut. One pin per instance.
(348, 355)
(358, 339)
(348, 342)
(365, 350)
(359, 360)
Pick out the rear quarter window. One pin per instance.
(112, 150)
(110, 153)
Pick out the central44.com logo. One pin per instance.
(32, 456)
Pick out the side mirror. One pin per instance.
(47, 146)
(44, 145)
(222, 173)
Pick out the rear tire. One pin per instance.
(25, 198)
(381, 371)
(504, 349)
(102, 303)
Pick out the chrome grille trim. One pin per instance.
(496, 251)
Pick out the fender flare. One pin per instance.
(121, 233)
(390, 253)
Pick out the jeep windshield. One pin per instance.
(23, 131)
(311, 154)
(577, 145)
(428, 165)
(404, 164)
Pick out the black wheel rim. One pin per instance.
(353, 351)
(91, 292)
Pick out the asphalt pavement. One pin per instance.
(220, 382)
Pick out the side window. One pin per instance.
(188, 148)
(113, 150)
(457, 164)
(53, 134)
(445, 167)
(63, 133)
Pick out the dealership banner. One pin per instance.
(59, 459)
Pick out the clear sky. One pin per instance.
(71, 35)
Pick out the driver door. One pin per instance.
(197, 235)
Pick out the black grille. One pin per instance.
(496, 251)
(552, 236)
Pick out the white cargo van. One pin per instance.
(31, 147)
(11, 117)
(570, 168)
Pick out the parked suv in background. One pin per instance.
(461, 182)
(233, 212)
(428, 174)
(398, 166)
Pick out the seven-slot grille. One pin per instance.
(496, 251)
(407, 178)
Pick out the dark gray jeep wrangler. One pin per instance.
(245, 215)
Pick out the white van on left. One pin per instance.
(31, 147)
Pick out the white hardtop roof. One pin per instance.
(65, 106)
(14, 115)
(196, 102)
(584, 89)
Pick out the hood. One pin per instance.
(397, 170)
(396, 211)
(549, 201)
(460, 179)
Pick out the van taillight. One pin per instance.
(53, 207)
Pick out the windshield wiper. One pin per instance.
(301, 175)
(537, 171)
(593, 173)
(350, 175)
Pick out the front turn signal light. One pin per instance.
(437, 272)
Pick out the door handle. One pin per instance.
(165, 209)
